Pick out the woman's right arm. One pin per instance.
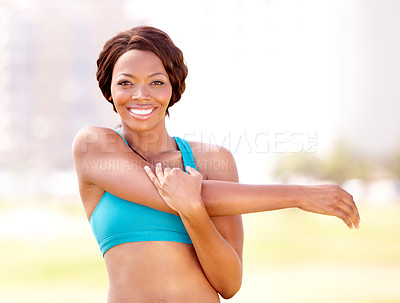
(102, 158)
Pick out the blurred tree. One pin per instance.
(299, 164)
(343, 164)
(338, 166)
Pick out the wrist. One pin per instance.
(299, 196)
(192, 209)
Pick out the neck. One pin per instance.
(149, 142)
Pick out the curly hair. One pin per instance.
(144, 38)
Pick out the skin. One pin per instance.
(209, 203)
(213, 264)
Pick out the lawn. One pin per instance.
(48, 254)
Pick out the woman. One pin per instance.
(172, 236)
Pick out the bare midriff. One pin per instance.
(157, 271)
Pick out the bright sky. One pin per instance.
(265, 77)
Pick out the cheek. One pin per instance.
(164, 96)
(168, 97)
(119, 94)
(168, 94)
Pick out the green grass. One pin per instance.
(50, 263)
(293, 236)
(289, 256)
(293, 256)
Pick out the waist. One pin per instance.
(156, 272)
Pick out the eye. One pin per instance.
(124, 83)
(157, 83)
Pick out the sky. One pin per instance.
(267, 77)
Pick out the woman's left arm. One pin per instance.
(218, 241)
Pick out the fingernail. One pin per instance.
(146, 168)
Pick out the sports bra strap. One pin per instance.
(186, 152)
(119, 133)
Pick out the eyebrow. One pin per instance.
(151, 75)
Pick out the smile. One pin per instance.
(142, 113)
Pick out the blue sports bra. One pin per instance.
(116, 221)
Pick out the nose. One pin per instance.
(140, 92)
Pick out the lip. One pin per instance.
(147, 112)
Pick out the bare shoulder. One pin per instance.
(214, 162)
(91, 145)
(89, 138)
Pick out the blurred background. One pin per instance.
(301, 91)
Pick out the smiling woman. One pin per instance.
(142, 38)
(140, 87)
(170, 236)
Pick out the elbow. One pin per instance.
(230, 290)
(229, 294)
(232, 284)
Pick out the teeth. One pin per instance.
(145, 111)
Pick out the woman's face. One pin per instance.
(140, 89)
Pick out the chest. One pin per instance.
(168, 159)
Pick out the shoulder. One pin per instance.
(90, 138)
(206, 151)
(91, 133)
(214, 162)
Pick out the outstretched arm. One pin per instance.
(102, 159)
(223, 198)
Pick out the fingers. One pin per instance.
(159, 172)
(355, 211)
(355, 215)
(192, 171)
(350, 214)
(167, 171)
(153, 178)
(344, 216)
(350, 207)
(159, 176)
(335, 202)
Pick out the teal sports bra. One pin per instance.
(116, 221)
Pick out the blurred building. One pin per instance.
(48, 88)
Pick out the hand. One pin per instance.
(330, 200)
(179, 190)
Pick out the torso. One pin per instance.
(157, 272)
(154, 271)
